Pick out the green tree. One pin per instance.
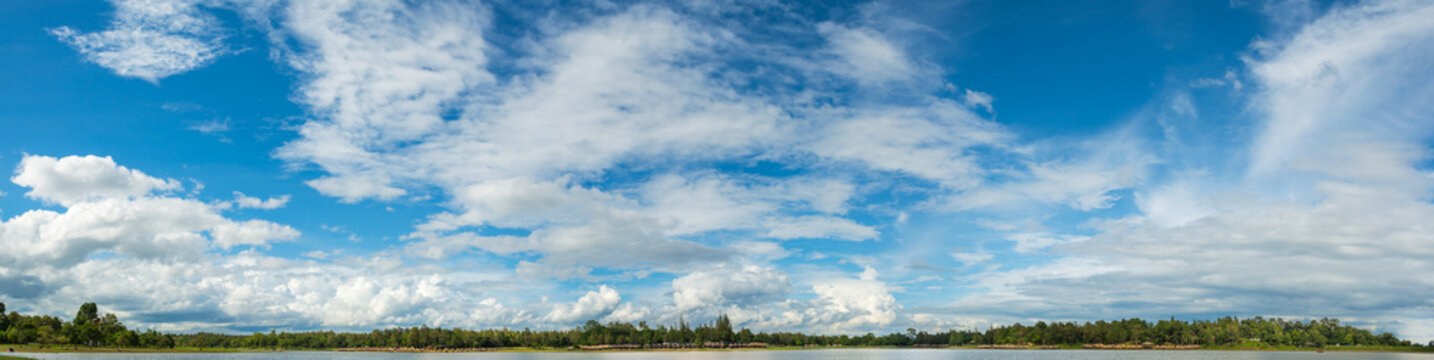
(724, 329)
(88, 312)
(86, 328)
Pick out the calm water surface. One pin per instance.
(836, 354)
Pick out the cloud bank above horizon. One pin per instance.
(837, 169)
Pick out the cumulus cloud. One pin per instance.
(728, 285)
(761, 297)
(844, 304)
(112, 208)
(628, 313)
(161, 265)
(74, 179)
(594, 305)
(249, 289)
(150, 39)
(166, 275)
(252, 232)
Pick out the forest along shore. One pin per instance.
(92, 332)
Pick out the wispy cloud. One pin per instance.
(150, 39)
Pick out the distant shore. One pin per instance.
(23, 349)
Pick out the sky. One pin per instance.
(839, 167)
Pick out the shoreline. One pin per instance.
(21, 350)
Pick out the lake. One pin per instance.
(834, 354)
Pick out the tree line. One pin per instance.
(88, 328)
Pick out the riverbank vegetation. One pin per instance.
(89, 329)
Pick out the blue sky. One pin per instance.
(236, 165)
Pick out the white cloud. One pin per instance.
(1083, 179)
(110, 208)
(706, 204)
(569, 118)
(627, 313)
(1328, 219)
(1341, 88)
(589, 140)
(635, 87)
(351, 189)
(252, 232)
(930, 143)
(249, 202)
(521, 203)
(571, 226)
(1177, 203)
(761, 250)
(759, 297)
(829, 196)
(151, 39)
(74, 179)
(248, 289)
(972, 258)
(1230, 78)
(730, 285)
(532, 270)
(158, 266)
(594, 305)
(866, 55)
(845, 304)
(1028, 242)
(1354, 255)
(820, 227)
(212, 126)
(378, 73)
(1023, 291)
(146, 228)
(977, 99)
